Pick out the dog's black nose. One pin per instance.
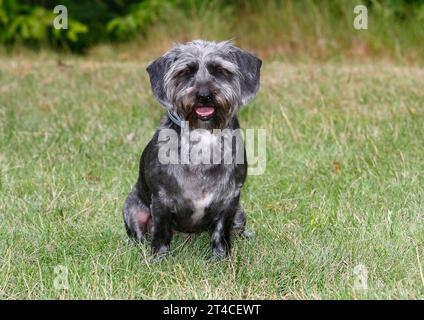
(204, 96)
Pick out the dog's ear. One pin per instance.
(250, 67)
(157, 70)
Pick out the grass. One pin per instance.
(343, 187)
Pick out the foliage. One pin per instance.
(90, 22)
(140, 16)
(30, 22)
(33, 25)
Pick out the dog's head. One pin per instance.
(205, 82)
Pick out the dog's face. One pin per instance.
(205, 82)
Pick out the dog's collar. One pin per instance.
(175, 118)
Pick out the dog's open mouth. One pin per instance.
(205, 112)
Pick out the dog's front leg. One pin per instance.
(221, 234)
(162, 230)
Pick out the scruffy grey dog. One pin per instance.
(202, 85)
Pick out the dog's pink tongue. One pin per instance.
(205, 111)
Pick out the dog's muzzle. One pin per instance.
(205, 107)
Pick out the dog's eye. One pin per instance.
(219, 70)
(188, 71)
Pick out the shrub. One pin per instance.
(30, 22)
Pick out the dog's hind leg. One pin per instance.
(136, 216)
(239, 224)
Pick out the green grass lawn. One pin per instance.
(343, 187)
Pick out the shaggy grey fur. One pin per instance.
(203, 83)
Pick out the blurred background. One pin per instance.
(302, 29)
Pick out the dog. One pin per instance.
(202, 85)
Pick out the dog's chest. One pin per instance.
(199, 200)
(202, 190)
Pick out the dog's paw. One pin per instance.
(248, 234)
(219, 254)
(160, 254)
